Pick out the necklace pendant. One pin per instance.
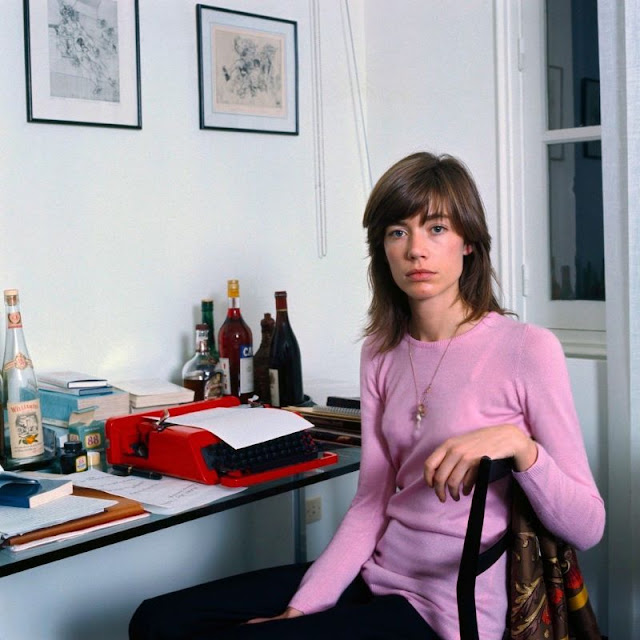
(420, 413)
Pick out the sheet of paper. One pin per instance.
(16, 520)
(165, 496)
(243, 427)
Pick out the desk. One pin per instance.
(89, 587)
(348, 462)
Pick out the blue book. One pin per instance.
(91, 391)
(21, 491)
(57, 406)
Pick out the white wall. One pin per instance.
(113, 236)
(431, 86)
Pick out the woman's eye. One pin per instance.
(395, 233)
(438, 228)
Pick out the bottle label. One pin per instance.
(245, 372)
(81, 463)
(224, 363)
(25, 429)
(214, 386)
(20, 362)
(14, 320)
(246, 369)
(274, 387)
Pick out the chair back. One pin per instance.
(473, 562)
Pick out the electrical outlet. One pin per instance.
(313, 509)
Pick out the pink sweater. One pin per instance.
(396, 531)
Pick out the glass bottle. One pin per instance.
(285, 364)
(235, 342)
(203, 373)
(206, 307)
(23, 435)
(261, 384)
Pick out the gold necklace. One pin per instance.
(421, 401)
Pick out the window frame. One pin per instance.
(523, 139)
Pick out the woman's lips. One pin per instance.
(418, 275)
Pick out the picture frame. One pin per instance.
(82, 62)
(247, 71)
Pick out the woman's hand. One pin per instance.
(454, 463)
(289, 612)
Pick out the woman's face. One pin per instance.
(426, 257)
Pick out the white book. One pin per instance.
(149, 392)
(71, 379)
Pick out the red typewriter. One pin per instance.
(149, 441)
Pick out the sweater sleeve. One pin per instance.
(559, 485)
(356, 537)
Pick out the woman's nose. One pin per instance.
(416, 247)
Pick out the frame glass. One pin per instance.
(248, 71)
(83, 62)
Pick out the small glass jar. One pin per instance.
(73, 457)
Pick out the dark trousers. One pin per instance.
(216, 611)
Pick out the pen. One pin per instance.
(128, 470)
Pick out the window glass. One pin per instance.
(575, 208)
(573, 76)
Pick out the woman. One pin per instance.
(446, 377)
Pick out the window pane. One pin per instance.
(573, 76)
(576, 230)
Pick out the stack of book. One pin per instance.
(65, 393)
(151, 394)
(39, 510)
(337, 421)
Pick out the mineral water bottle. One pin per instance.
(23, 436)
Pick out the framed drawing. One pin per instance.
(83, 62)
(247, 71)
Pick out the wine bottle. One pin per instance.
(235, 342)
(23, 435)
(203, 372)
(285, 364)
(261, 384)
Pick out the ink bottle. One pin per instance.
(73, 458)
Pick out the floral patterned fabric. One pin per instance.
(548, 597)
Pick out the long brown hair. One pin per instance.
(424, 184)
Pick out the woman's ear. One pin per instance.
(467, 250)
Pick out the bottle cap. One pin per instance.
(201, 326)
(281, 300)
(72, 446)
(11, 296)
(233, 288)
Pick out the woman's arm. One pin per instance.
(550, 460)
(356, 537)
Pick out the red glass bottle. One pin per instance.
(235, 343)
